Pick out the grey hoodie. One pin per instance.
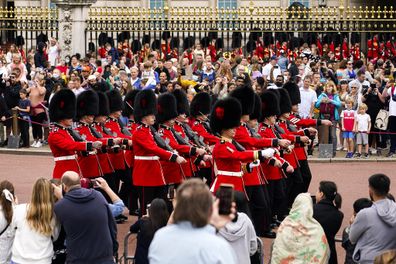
(374, 231)
(242, 238)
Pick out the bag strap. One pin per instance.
(393, 90)
(4, 229)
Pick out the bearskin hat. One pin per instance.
(212, 34)
(226, 114)
(62, 105)
(102, 39)
(129, 101)
(166, 35)
(146, 39)
(87, 103)
(204, 42)
(200, 104)
(219, 44)
(145, 104)
(174, 43)
(250, 46)
(294, 92)
(256, 114)
(104, 109)
(19, 41)
(284, 101)
(269, 104)
(181, 102)
(41, 38)
(166, 107)
(236, 40)
(156, 45)
(115, 100)
(245, 95)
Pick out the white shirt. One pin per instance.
(6, 239)
(53, 54)
(267, 71)
(362, 121)
(308, 98)
(392, 104)
(29, 245)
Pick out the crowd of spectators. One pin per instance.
(50, 229)
(326, 85)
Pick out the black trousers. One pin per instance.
(148, 194)
(260, 209)
(305, 174)
(206, 173)
(24, 130)
(128, 192)
(392, 129)
(277, 197)
(37, 130)
(294, 185)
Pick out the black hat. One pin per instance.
(136, 46)
(255, 34)
(294, 92)
(226, 114)
(166, 35)
(102, 39)
(355, 38)
(212, 34)
(269, 104)
(145, 104)
(284, 101)
(156, 45)
(87, 103)
(115, 100)
(146, 39)
(104, 109)
(188, 42)
(41, 38)
(281, 36)
(62, 105)
(120, 37)
(200, 105)
(129, 101)
(174, 43)
(181, 102)
(205, 42)
(245, 96)
(110, 40)
(236, 40)
(250, 46)
(219, 44)
(91, 47)
(19, 41)
(268, 39)
(166, 107)
(256, 114)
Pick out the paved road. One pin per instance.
(351, 179)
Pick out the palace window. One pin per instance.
(304, 2)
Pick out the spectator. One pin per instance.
(36, 226)
(298, 234)
(326, 212)
(240, 232)
(40, 60)
(37, 92)
(374, 229)
(112, 52)
(74, 66)
(267, 70)
(13, 50)
(53, 52)
(4, 114)
(79, 206)
(328, 103)
(208, 73)
(194, 210)
(308, 99)
(156, 218)
(348, 126)
(358, 205)
(353, 95)
(362, 128)
(116, 205)
(23, 108)
(390, 92)
(283, 62)
(7, 233)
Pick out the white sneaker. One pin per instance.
(34, 144)
(38, 145)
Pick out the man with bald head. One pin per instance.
(91, 232)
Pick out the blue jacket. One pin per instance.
(91, 232)
(336, 101)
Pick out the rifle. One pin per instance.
(159, 140)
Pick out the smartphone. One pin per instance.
(95, 184)
(226, 197)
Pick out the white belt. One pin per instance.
(230, 173)
(92, 152)
(70, 157)
(146, 158)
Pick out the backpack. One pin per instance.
(381, 121)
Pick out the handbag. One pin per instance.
(381, 120)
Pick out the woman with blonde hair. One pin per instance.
(35, 226)
(328, 103)
(7, 233)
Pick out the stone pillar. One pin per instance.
(72, 24)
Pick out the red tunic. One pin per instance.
(228, 165)
(188, 168)
(301, 123)
(103, 156)
(290, 157)
(117, 159)
(89, 164)
(147, 169)
(172, 171)
(63, 148)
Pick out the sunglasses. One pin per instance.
(354, 87)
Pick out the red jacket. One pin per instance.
(302, 123)
(243, 137)
(63, 148)
(228, 165)
(117, 159)
(172, 171)
(271, 172)
(188, 168)
(103, 156)
(290, 157)
(89, 164)
(147, 169)
(199, 127)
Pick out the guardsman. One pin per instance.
(149, 149)
(299, 124)
(229, 163)
(63, 141)
(166, 117)
(254, 180)
(199, 111)
(87, 109)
